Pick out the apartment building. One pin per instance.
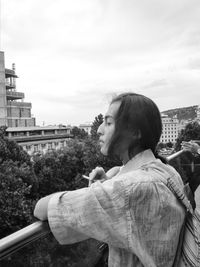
(86, 127)
(170, 129)
(39, 140)
(15, 113)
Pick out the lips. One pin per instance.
(101, 142)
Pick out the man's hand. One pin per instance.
(41, 208)
(190, 146)
(97, 174)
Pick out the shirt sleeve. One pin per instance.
(98, 212)
(156, 218)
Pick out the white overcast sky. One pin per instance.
(71, 56)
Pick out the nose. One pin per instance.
(100, 129)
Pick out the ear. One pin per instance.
(137, 135)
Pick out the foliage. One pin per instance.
(182, 113)
(169, 144)
(161, 146)
(10, 150)
(96, 123)
(191, 132)
(183, 163)
(18, 186)
(79, 133)
(54, 171)
(58, 170)
(15, 200)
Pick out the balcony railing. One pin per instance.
(14, 95)
(18, 104)
(31, 233)
(22, 238)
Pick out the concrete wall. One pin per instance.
(21, 122)
(18, 112)
(3, 110)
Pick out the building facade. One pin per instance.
(170, 129)
(14, 111)
(15, 114)
(86, 127)
(198, 114)
(39, 140)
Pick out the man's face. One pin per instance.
(107, 128)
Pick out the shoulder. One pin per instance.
(153, 172)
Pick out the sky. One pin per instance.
(72, 57)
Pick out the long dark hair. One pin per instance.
(137, 123)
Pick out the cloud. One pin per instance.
(194, 63)
(72, 55)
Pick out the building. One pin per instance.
(170, 129)
(21, 126)
(198, 114)
(86, 127)
(40, 140)
(14, 112)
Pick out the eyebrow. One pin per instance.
(108, 116)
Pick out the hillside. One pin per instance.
(184, 113)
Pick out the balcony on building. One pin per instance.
(18, 104)
(13, 95)
(28, 134)
(10, 78)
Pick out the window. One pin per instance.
(49, 145)
(35, 148)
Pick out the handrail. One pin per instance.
(29, 234)
(175, 155)
(23, 237)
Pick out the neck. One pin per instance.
(127, 156)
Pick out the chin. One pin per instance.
(104, 151)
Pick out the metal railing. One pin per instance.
(14, 95)
(31, 233)
(22, 238)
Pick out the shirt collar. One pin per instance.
(137, 161)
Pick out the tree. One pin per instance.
(18, 185)
(15, 198)
(183, 163)
(161, 146)
(79, 133)
(169, 144)
(97, 122)
(191, 132)
(60, 169)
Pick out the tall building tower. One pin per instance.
(170, 129)
(198, 113)
(14, 112)
(3, 109)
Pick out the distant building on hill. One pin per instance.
(198, 114)
(86, 127)
(15, 114)
(170, 129)
(40, 140)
